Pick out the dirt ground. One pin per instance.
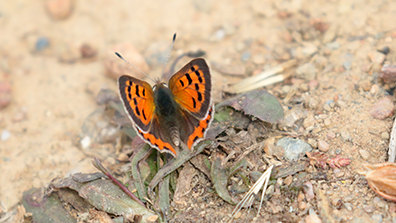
(52, 92)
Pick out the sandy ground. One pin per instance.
(57, 96)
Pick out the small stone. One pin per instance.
(19, 116)
(348, 206)
(87, 51)
(5, 134)
(365, 155)
(258, 59)
(375, 89)
(270, 190)
(331, 135)
(339, 174)
(326, 107)
(313, 84)
(323, 146)
(365, 85)
(330, 34)
(341, 104)
(382, 109)
(313, 143)
(309, 121)
(59, 9)
(288, 180)
(388, 74)
(306, 71)
(293, 147)
(302, 205)
(313, 103)
(376, 218)
(41, 44)
(376, 57)
(346, 137)
(385, 135)
(5, 94)
(85, 142)
(369, 208)
(327, 122)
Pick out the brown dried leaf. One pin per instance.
(338, 162)
(321, 160)
(317, 159)
(382, 179)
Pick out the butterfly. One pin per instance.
(169, 115)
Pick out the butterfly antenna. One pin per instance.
(122, 58)
(170, 50)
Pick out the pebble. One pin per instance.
(5, 94)
(20, 115)
(365, 85)
(313, 143)
(368, 208)
(293, 147)
(5, 134)
(326, 107)
(258, 59)
(382, 109)
(309, 121)
(376, 57)
(327, 122)
(375, 89)
(116, 67)
(41, 44)
(385, 135)
(306, 71)
(348, 206)
(245, 56)
(331, 135)
(365, 155)
(313, 84)
(59, 9)
(333, 45)
(87, 51)
(346, 137)
(388, 74)
(323, 146)
(330, 34)
(85, 142)
(376, 218)
(288, 180)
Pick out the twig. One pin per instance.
(97, 163)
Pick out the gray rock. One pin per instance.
(293, 147)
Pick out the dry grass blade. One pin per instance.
(249, 196)
(263, 79)
(392, 144)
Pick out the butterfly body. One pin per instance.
(167, 116)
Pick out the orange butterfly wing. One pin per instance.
(191, 87)
(138, 100)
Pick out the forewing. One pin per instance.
(138, 100)
(191, 87)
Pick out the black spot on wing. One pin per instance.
(135, 101)
(188, 78)
(137, 91)
(193, 68)
(194, 103)
(129, 92)
(197, 87)
(144, 92)
(199, 96)
(182, 83)
(144, 115)
(195, 139)
(137, 111)
(200, 79)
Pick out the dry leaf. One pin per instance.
(382, 179)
